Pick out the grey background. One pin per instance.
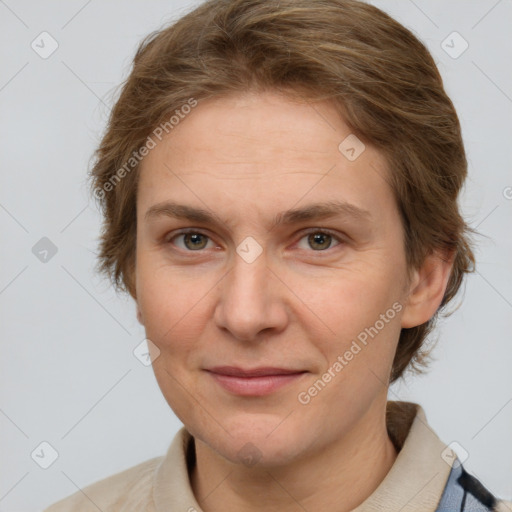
(68, 373)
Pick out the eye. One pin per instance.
(191, 240)
(319, 240)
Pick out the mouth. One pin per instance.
(253, 382)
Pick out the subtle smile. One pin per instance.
(255, 382)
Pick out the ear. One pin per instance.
(427, 287)
(139, 314)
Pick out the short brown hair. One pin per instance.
(380, 76)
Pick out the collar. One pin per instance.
(417, 478)
(415, 481)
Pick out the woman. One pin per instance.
(279, 184)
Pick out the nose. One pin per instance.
(250, 303)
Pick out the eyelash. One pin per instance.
(310, 231)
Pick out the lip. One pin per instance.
(235, 371)
(254, 382)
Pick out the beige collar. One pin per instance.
(417, 478)
(415, 481)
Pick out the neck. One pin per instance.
(337, 478)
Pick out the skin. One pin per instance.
(299, 304)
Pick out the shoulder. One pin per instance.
(125, 491)
(504, 506)
(463, 491)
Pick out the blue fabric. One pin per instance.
(464, 493)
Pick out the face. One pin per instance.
(262, 248)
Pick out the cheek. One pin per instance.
(350, 300)
(174, 321)
(359, 316)
(172, 305)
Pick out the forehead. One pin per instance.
(265, 149)
(255, 126)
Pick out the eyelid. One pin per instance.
(327, 231)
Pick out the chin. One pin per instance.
(251, 441)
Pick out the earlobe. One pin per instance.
(139, 315)
(427, 289)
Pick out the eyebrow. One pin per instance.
(316, 211)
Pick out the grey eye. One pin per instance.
(318, 241)
(193, 241)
